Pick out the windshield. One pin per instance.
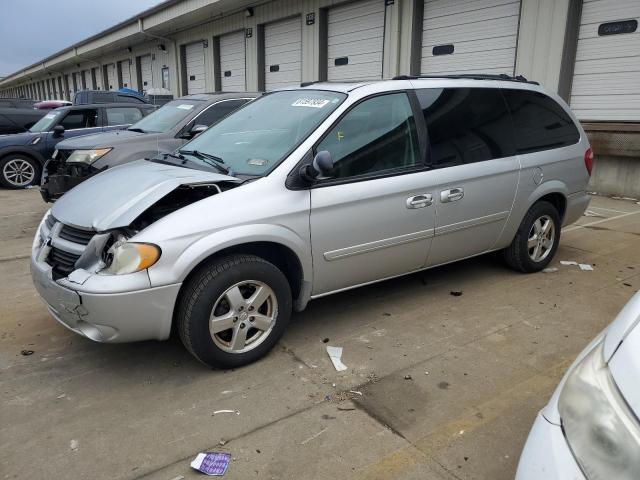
(166, 117)
(256, 138)
(46, 122)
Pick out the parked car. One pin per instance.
(22, 155)
(305, 192)
(164, 130)
(590, 427)
(87, 97)
(18, 120)
(17, 102)
(51, 104)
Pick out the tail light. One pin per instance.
(588, 160)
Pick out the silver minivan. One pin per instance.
(306, 192)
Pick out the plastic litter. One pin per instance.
(237, 412)
(212, 463)
(586, 267)
(355, 392)
(568, 262)
(550, 270)
(26, 353)
(335, 354)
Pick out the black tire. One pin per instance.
(7, 182)
(517, 254)
(207, 286)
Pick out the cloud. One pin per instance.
(31, 30)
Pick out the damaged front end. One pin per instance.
(59, 176)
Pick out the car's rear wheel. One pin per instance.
(234, 310)
(536, 240)
(19, 171)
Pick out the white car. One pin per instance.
(590, 428)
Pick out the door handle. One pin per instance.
(420, 201)
(451, 195)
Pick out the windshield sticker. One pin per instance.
(310, 102)
(50, 116)
(258, 162)
(185, 106)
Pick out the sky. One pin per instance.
(31, 30)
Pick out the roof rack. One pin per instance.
(471, 76)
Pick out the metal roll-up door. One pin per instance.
(194, 59)
(86, 79)
(146, 72)
(355, 39)
(111, 77)
(606, 77)
(125, 72)
(97, 72)
(463, 36)
(232, 62)
(283, 53)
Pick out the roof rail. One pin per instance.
(471, 76)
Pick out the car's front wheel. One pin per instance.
(234, 310)
(19, 171)
(536, 240)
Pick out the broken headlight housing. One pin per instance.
(88, 156)
(129, 257)
(601, 430)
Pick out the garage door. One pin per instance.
(146, 73)
(194, 56)
(606, 81)
(111, 77)
(86, 77)
(469, 36)
(232, 62)
(97, 74)
(125, 71)
(355, 37)
(283, 53)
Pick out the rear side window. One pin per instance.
(102, 97)
(129, 99)
(217, 111)
(539, 122)
(122, 115)
(466, 125)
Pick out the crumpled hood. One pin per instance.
(106, 139)
(117, 196)
(24, 138)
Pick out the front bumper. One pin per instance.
(546, 455)
(114, 317)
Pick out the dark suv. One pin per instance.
(86, 97)
(22, 155)
(164, 130)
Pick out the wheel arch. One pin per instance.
(28, 152)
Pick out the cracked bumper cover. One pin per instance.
(99, 309)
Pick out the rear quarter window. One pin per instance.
(540, 123)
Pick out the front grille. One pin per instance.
(63, 262)
(76, 235)
(63, 155)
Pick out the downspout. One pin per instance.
(175, 53)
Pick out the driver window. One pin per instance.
(376, 136)
(80, 119)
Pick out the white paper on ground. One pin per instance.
(568, 262)
(335, 354)
(586, 266)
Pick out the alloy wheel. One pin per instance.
(541, 238)
(243, 316)
(19, 172)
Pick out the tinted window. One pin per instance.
(166, 117)
(122, 115)
(217, 111)
(80, 119)
(102, 97)
(375, 136)
(129, 99)
(466, 125)
(540, 123)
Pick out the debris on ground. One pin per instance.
(212, 463)
(335, 354)
(237, 412)
(550, 269)
(325, 340)
(590, 213)
(586, 267)
(355, 392)
(455, 293)
(568, 262)
(314, 436)
(346, 408)
(26, 353)
(73, 444)
(407, 377)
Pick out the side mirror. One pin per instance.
(321, 167)
(58, 131)
(194, 131)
